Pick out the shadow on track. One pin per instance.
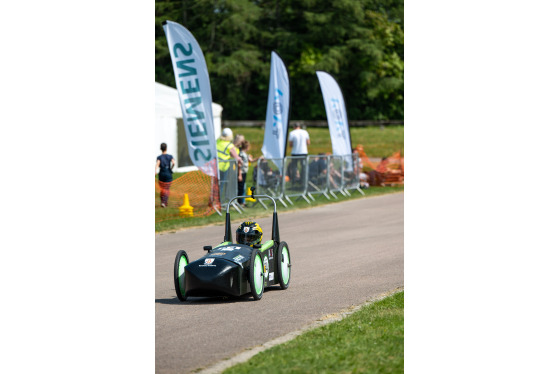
(213, 300)
(204, 300)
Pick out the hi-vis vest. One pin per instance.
(223, 147)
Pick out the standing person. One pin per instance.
(244, 148)
(165, 162)
(237, 142)
(226, 151)
(298, 141)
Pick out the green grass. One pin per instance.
(370, 340)
(377, 141)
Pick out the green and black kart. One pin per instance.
(230, 269)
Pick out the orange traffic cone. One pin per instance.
(186, 210)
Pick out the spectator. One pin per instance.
(263, 175)
(335, 178)
(298, 139)
(357, 169)
(260, 171)
(318, 169)
(237, 141)
(358, 165)
(245, 146)
(165, 163)
(226, 151)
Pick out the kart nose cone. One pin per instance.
(212, 277)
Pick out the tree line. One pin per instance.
(359, 42)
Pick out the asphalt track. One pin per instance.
(343, 254)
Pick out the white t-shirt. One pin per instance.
(299, 138)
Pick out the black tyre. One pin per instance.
(256, 275)
(181, 260)
(284, 265)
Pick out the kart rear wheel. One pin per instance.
(256, 275)
(181, 260)
(284, 265)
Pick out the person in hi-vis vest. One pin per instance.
(226, 151)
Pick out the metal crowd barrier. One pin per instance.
(295, 185)
(228, 182)
(295, 177)
(351, 174)
(269, 178)
(335, 177)
(317, 175)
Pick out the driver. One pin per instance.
(249, 233)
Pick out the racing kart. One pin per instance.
(230, 269)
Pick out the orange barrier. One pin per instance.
(201, 193)
(366, 162)
(388, 173)
(394, 174)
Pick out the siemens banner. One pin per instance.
(276, 125)
(195, 96)
(336, 115)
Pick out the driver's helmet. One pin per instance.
(249, 233)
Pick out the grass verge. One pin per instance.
(255, 210)
(370, 340)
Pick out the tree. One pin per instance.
(359, 42)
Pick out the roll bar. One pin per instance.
(275, 229)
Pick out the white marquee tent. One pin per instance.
(168, 112)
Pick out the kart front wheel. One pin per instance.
(256, 275)
(284, 265)
(181, 260)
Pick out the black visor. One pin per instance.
(248, 238)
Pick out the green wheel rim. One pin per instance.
(181, 271)
(285, 265)
(258, 275)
